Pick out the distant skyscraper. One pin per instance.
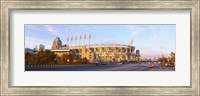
(138, 55)
(28, 50)
(57, 43)
(138, 52)
(39, 47)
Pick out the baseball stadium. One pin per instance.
(97, 52)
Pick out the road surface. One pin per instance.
(108, 67)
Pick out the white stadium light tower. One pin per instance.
(84, 39)
(89, 38)
(71, 40)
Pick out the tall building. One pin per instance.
(65, 46)
(138, 56)
(39, 47)
(57, 43)
(28, 50)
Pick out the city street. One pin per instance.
(108, 67)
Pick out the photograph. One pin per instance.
(100, 47)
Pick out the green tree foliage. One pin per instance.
(30, 58)
(172, 56)
(42, 57)
(163, 59)
(48, 57)
(64, 59)
(170, 60)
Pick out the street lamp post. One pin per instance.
(67, 60)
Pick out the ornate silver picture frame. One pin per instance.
(8, 5)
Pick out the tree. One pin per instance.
(48, 57)
(42, 57)
(162, 59)
(63, 59)
(172, 58)
(29, 58)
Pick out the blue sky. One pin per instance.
(147, 38)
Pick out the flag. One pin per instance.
(67, 39)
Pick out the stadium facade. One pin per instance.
(97, 52)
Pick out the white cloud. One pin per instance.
(51, 29)
(137, 31)
(57, 31)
